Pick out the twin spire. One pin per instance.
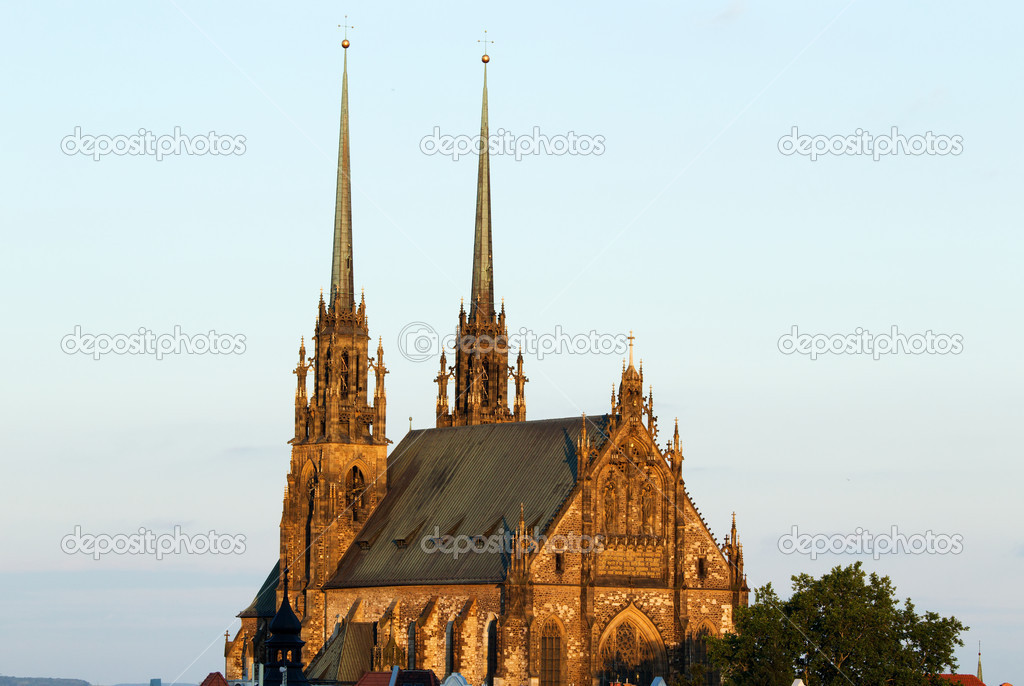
(342, 288)
(481, 371)
(482, 295)
(342, 279)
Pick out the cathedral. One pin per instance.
(550, 552)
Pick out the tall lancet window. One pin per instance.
(551, 654)
(310, 503)
(449, 652)
(412, 645)
(356, 498)
(492, 652)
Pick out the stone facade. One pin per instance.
(656, 581)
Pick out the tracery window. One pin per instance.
(698, 662)
(627, 655)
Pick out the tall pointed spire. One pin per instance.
(342, 282)
(481, 371)
(482, 296)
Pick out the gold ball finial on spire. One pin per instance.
(485, 58)
(344, 42)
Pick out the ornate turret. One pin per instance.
(676, 452)
(582, 450)
(630, 405)
(733, 550)
(284, 647)
(380, 399)
(481, 369)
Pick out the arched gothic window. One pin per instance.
(492, 652)
(698, 662)
(311, 485)
(449, 652)
(551, 657)
(412, 645)
(627, 655)
(355, 498)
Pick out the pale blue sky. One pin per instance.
(691, 229)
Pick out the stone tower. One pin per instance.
(339, 451)
(481, 369)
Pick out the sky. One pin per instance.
(688, 225)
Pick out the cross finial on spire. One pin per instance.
(344, 42)
(631, 338)
(485, 58)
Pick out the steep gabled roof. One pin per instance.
(470, 481)
(347, 655)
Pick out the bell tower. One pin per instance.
(481, 370)
(339, 450)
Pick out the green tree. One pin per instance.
(844, 628)
(693, 676)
